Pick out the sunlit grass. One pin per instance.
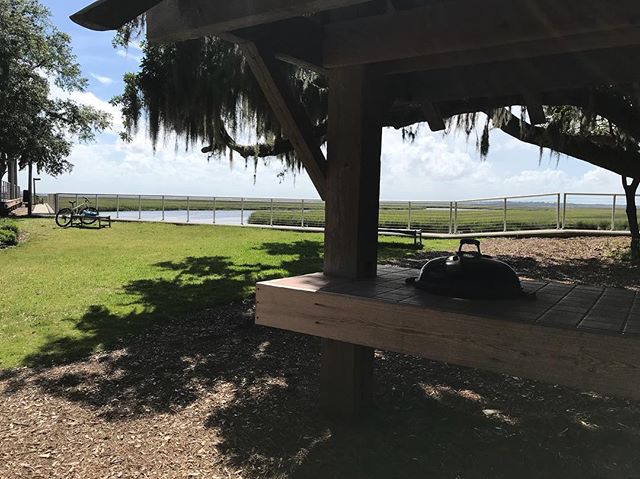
(68, 292)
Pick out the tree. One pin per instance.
(603, 131)
(203, 91)
(35, 128)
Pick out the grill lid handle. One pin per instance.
(470, 241)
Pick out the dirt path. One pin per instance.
(213, 396)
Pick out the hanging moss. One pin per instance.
(204, 92)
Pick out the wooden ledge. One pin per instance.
(580, 336)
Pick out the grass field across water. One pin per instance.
(69, 292)
(470, 220)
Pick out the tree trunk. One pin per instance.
(30, 210)
(630, 190)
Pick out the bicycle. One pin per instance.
(87, 213)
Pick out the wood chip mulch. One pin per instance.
(214, 396)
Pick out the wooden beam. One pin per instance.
(111, 14)
(176, 20)
(289, 112)
(614, 39)
(469, 26)
(536, 75)
(305, 51)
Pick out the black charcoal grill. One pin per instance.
(469, 275)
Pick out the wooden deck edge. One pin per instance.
(575, 358)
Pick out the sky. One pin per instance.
(433, 167)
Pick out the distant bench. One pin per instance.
(82, 220)
(416, 234)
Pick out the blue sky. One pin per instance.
(434, 167)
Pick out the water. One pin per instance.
(223, 217)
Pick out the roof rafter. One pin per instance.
(468, 27)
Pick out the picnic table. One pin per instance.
(81, 221)
(587, 337)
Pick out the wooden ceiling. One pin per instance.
(430, 51)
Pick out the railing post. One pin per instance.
(505, 215)
(302, 215)
(162, 207)
(76, 199)
(558, 218)
(564, 212)
(97, 201)
(271, 217)
(188, 212)
(117, 206)
(139, 207)
(409, 219)
(613, 214)
(450, 217)
(455, 218)
(242, 212)
(214, 210)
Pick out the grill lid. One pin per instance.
(470, 275)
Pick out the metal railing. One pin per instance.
(595, 211)
(553, 211)
(9, 191)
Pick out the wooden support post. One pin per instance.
(351, 231)
(353, 176)
(346, 379)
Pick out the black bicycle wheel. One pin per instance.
(63, 217)
(88, 215)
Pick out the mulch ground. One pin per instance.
(215, 396)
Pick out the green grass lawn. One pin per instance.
(69, 292)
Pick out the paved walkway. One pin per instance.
(42, 209)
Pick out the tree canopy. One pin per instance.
(35, 127)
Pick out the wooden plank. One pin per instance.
(612, 40)
(610, 312)
(176, 20)
(505, 78)
(580, 359)
(632, 325)
(353, 180)
(469, 25)
(289, 112)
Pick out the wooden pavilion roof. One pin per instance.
(431, 50)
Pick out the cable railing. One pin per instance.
(552, 211)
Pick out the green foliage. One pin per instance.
(9, 232)
(34, 127)
(203, 91)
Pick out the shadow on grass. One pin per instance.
(257, 392)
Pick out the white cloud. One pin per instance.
(121, 52)
(103, 79)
